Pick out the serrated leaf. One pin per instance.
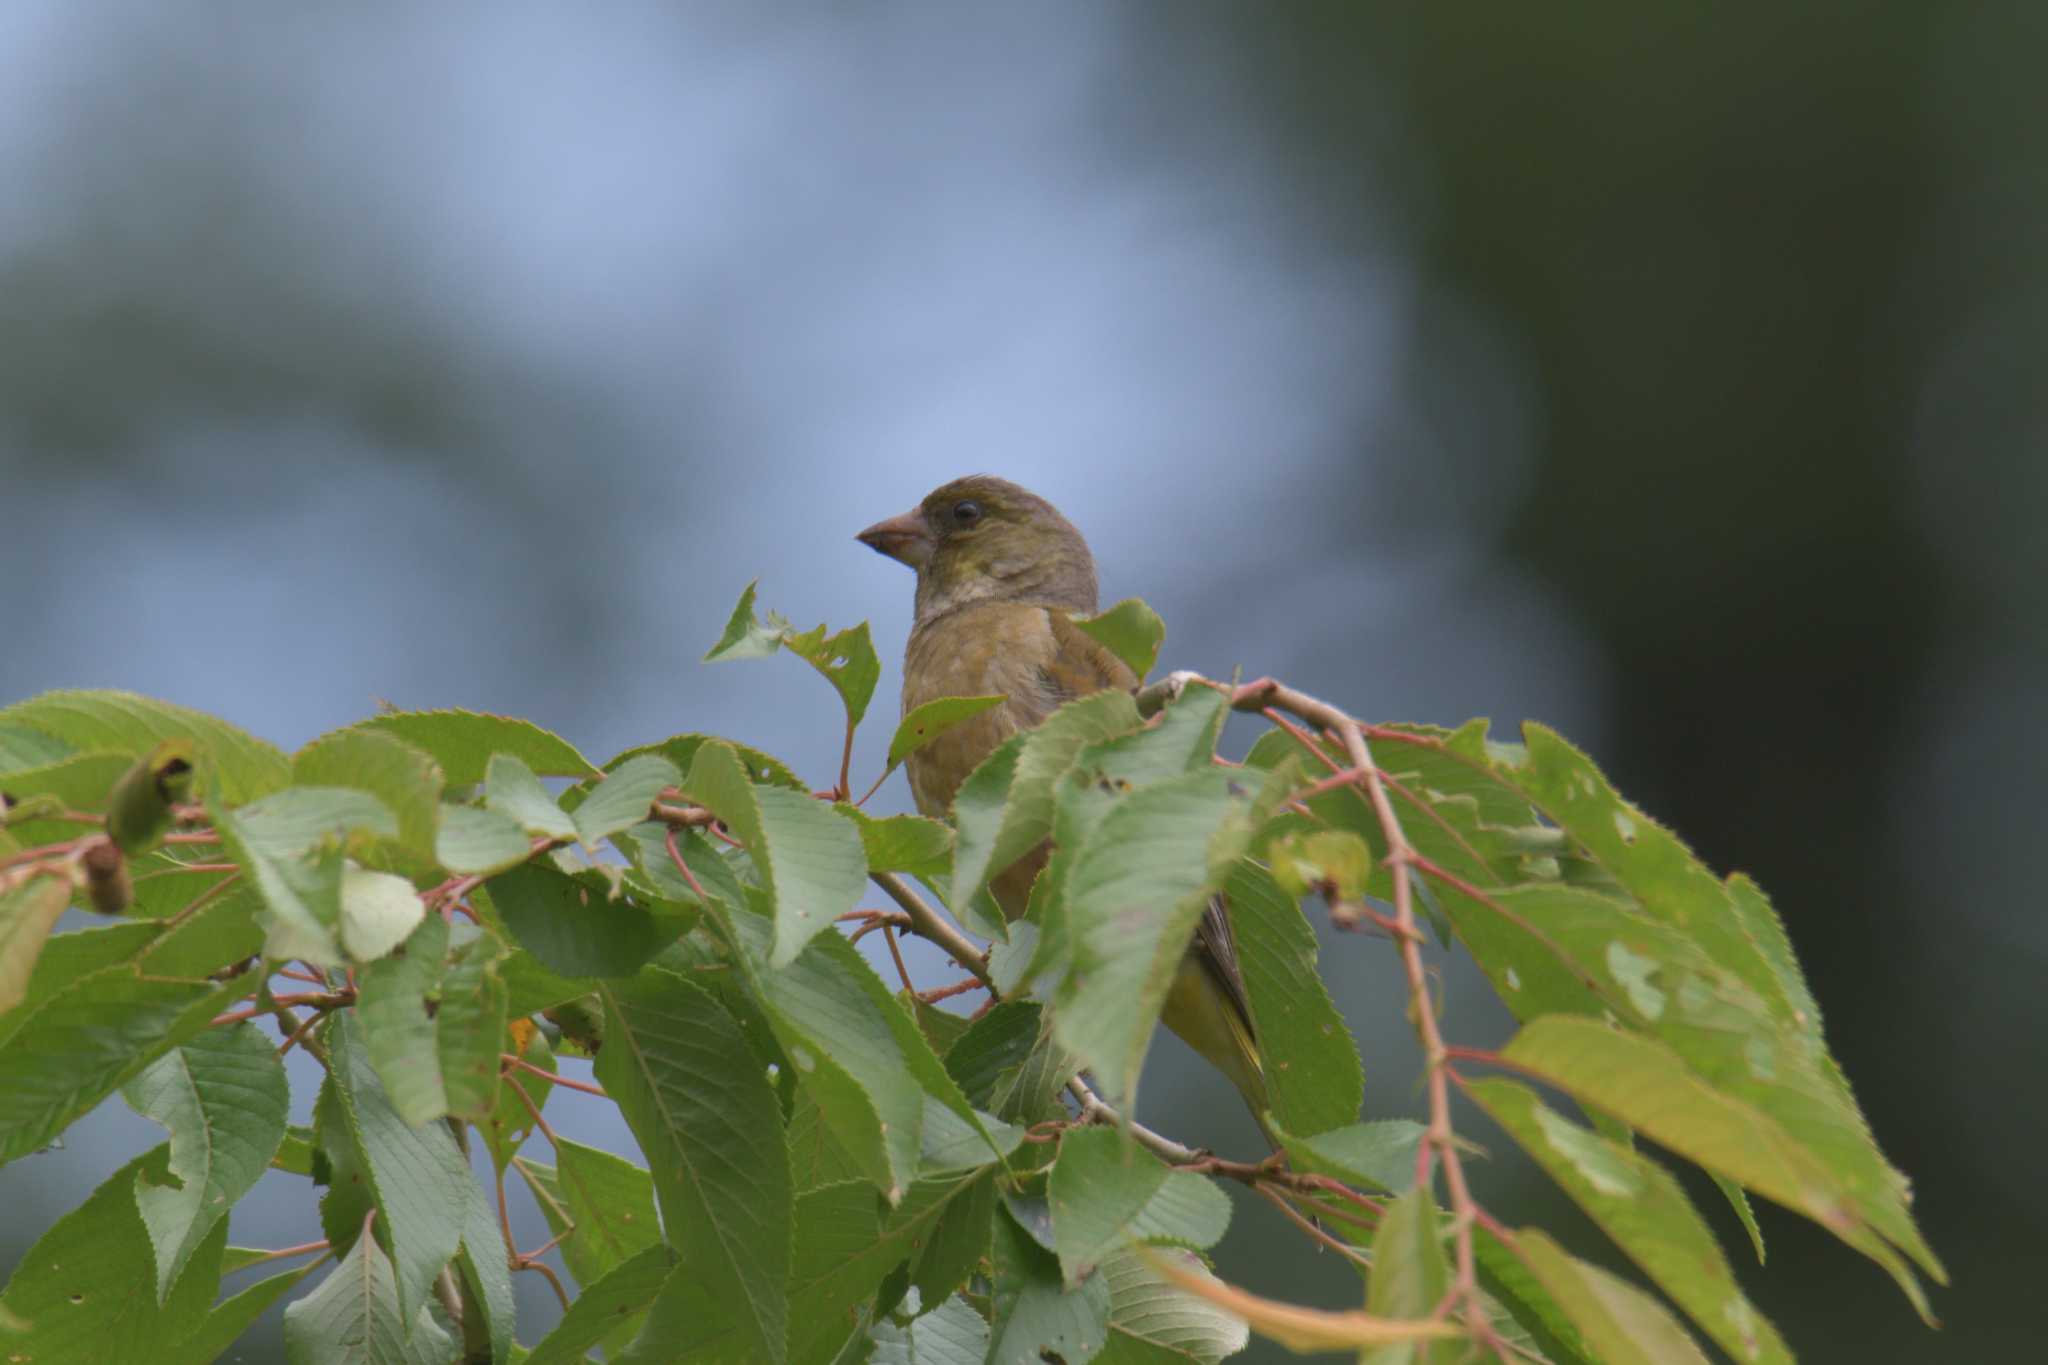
(745, 635)
(86, 1291)
(1644, 1084)
(808, 856)
(469, 1029)
(848, 1240)
(416, 1176)
(1009, 1064)
(223, 1097)
(1409, 1275)
(1022, 806)
(406, 780)
(487, 1273)
(233, 1316)
(512, 790)
(290, 845)
(1153, 1321)
(241, 767)
(1187, 1211)
(462, 742)
(950, 1334)
(571, 927)
(1379, 1155)
(624, 797)
(602, 1307)
(1638, 1204)
(704, 1112)
(1134, 895)
(1099, 1183)
(681, 750)
(510, 1121)
(904, 843)
(848, 661)
(476, 842)
(1036, 1316)
(609, 1202)
(379, 911)
(926, 723)
(356, 1317)
(398, 1033)
(1621, 1324)
(1130, 630)
(84, 1040)
(28, 910)
(1322, 1084)
(854, 1048)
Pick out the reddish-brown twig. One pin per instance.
(507, 1059)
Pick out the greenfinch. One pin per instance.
(1000, 574)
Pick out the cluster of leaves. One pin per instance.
(835, 1170)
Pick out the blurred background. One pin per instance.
(1670, 374)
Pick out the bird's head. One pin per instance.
(985, 538)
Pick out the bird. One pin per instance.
(1000, 576)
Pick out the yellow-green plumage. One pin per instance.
(1000, 573)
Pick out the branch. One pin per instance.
(1401, 858)
(928, 923)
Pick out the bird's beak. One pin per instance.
(903, 539)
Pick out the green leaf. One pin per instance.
(512, 790)
(927, 722)
(469, 1029)
(240, 766)
(1022, 806)
(745, 635)
(28, 910)
(609, 1202)
(378, 912)
(904, 843)
(1155, 1322)
(1379, 1155)
(1100, 1182)
(476, 842)
(571, 927)
(403, 778)
(87, 1289)
(854, 1048)
(1166, 847)
(290, 844)
(848, 1240)
(705, 1114)
(462, 742)
(624, 797)
(22, 748)
(1638, 1204)
(1621, 1324)
(846, 659)
(487, 1273)
(398, 1033)
(223, 1097)
(1322, 1085)
(233, 1316)
(1187, 1211)
(958, 1245)
(416, 1176)
(1130, 630)
(1646, 1085)
(950, 1334)
(1409, 1275)
(1738, 1200)
(510, 1122)
(809, 858)
(602, 1307)
(1036, 1317)
(1009, 1064)
(681, 750)
(357, 1317)
(84, 1040)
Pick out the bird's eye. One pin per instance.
(966, 512)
